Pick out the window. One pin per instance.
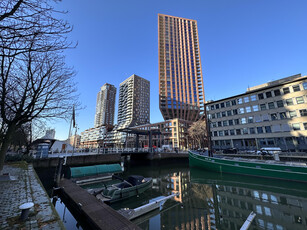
(230, 122)
(274, 116)
(303, 112)
(245, 131)
(241, 110)
(271, 105)
(286, 90)
(232, 131)
(219, 124)
(217, 106)
(223, 114)
(215, 133)
(229, 113)
(240, 101)
(305, 126)
(296, 126)
(225, 123)
(212, 107)
(222, 105)
(252, 130)
(221, 133)
(258, 118)
(268, 94)
(250, 119)
(213, 124)
(243, 120)
(292, 114)
(260, 96)
(268, 129)
(262, 107)
(253, 98)
(235, 112)
(280, 104)
(277, 92)
(255, 108)
(238, 131)
(259, 130)
(289, 101)
(265, 117)
(233, 102)
(218, 115)
(226, 132)
(236, 121)
(283, 115)
(246, 99)
(213, 115)
(227, 103)
(296, 88)
(305, 85)
(299, 100)
(248, 109)
(276, 128)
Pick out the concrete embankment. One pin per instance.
(79, 160)
(22, 185)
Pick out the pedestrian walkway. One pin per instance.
(21, 186)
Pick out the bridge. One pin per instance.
(105, 157)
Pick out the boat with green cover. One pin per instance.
(293, 171)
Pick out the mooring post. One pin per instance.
(25, 209)
(59, 173)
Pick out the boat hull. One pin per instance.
(252, 167)
(125, 193)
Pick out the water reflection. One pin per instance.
(230, 199)
(210, 200)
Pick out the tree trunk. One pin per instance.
(6, 143)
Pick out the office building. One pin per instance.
(181, 92)
(134, 102)
(173, 134)
(105, 106)
(273, 114)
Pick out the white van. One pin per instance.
(167, 148)
(269, 151)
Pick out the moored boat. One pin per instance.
(293, 171)
(133, 186)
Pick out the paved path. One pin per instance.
(25, 188)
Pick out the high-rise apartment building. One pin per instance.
(181, 92)
(105, 106)
(134, 102)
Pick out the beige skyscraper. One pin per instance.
(105, 106)
(181, 92)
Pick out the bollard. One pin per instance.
(25, 208)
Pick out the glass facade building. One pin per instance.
(181, 92)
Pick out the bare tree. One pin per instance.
(35, 82)
(198, 133)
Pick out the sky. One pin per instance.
(243, 43)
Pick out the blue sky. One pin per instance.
(242, 43)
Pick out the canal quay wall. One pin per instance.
(94, 159)
(21, 185)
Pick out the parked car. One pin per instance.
(230, 151)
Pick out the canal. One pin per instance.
(210, 200)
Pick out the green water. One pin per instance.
(213, 201)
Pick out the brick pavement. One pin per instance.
(26, 188)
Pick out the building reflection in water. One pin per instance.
(231, 200)
(186, 212)
(211, 201)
